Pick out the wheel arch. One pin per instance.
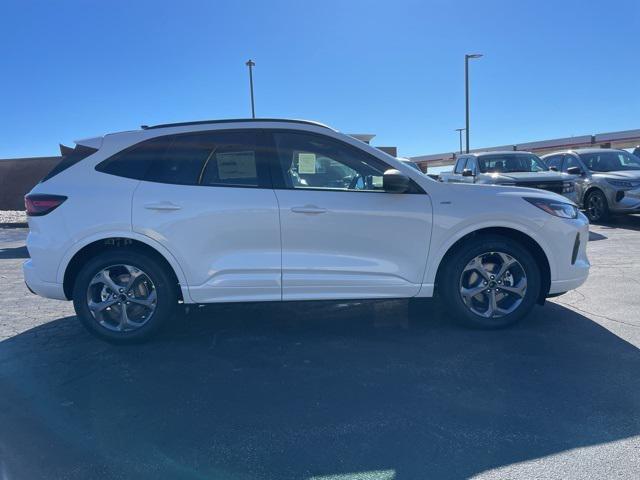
(74, 259)
(538, 252)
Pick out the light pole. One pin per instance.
(466, 94)
(250, 63)
(460, 130)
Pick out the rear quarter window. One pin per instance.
(69, 158)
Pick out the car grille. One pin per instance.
(555, 187)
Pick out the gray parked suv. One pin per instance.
(522, 169)
(607, 180)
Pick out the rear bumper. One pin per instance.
(39, 287)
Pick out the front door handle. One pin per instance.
(164, 206)
(309, 209)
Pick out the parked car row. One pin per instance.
(601, 181)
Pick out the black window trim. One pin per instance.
(263, 170)
(277, 174)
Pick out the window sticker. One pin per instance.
(376, 180)
(306, 163)
(236, 165)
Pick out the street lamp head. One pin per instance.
(473, 55)
(250, 63)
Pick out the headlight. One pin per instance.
(554, 207)
(620, 183)
(568, 187)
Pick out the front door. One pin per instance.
(342, 235)
(208, 200)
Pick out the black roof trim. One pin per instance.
(233, 120)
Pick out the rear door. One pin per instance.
(343, 236)
(208, 200)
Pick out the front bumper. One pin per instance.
(571, 274)
(40, 287)
(629, 203)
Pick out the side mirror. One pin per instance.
(554, 169)
(467, 172)
(574, 171)
(394, 181)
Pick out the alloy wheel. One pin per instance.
(121, 298)
(493, 284)
(595, 206)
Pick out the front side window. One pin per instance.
(554, 161)
(608, 161)
(570, 161)
(510, 163)
(460, 165)
(309, 161)
(471, 165)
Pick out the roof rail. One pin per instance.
(234, 120)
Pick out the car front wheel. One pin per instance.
(491, 282)
(596, 206)
(124, 296)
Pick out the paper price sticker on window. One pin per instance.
(306, 163)
(236, 165)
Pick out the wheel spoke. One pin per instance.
(124, 318)
(492, 306)
(104, 278)
(134, 274)
(518, 289)
(148, 302)
(100, 306)
(476, 266)
(469, 293)
(507, 262)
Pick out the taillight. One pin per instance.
(39, 204)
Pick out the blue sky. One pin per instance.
(73, 69)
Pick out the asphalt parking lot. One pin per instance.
(329, 390)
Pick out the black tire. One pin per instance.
(163, 281)
(596, 206)
(449, 283)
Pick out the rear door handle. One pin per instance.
(165, 206)
(309, 209)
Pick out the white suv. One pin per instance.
(133, 223)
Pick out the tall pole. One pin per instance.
(466, 95)
(460, 130)
(251, 64)
(466, 103)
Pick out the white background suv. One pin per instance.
(132, 223)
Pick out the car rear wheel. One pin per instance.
(492, 282)
(123, 296)
(596, 206)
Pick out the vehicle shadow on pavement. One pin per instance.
(14, 252)
(624, 222)
(306, 390)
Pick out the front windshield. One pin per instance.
(509, 162)
(608, 161)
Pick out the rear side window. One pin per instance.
(70, 156)
(134, 162)
(220, 158)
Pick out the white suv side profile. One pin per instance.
(133, 223)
